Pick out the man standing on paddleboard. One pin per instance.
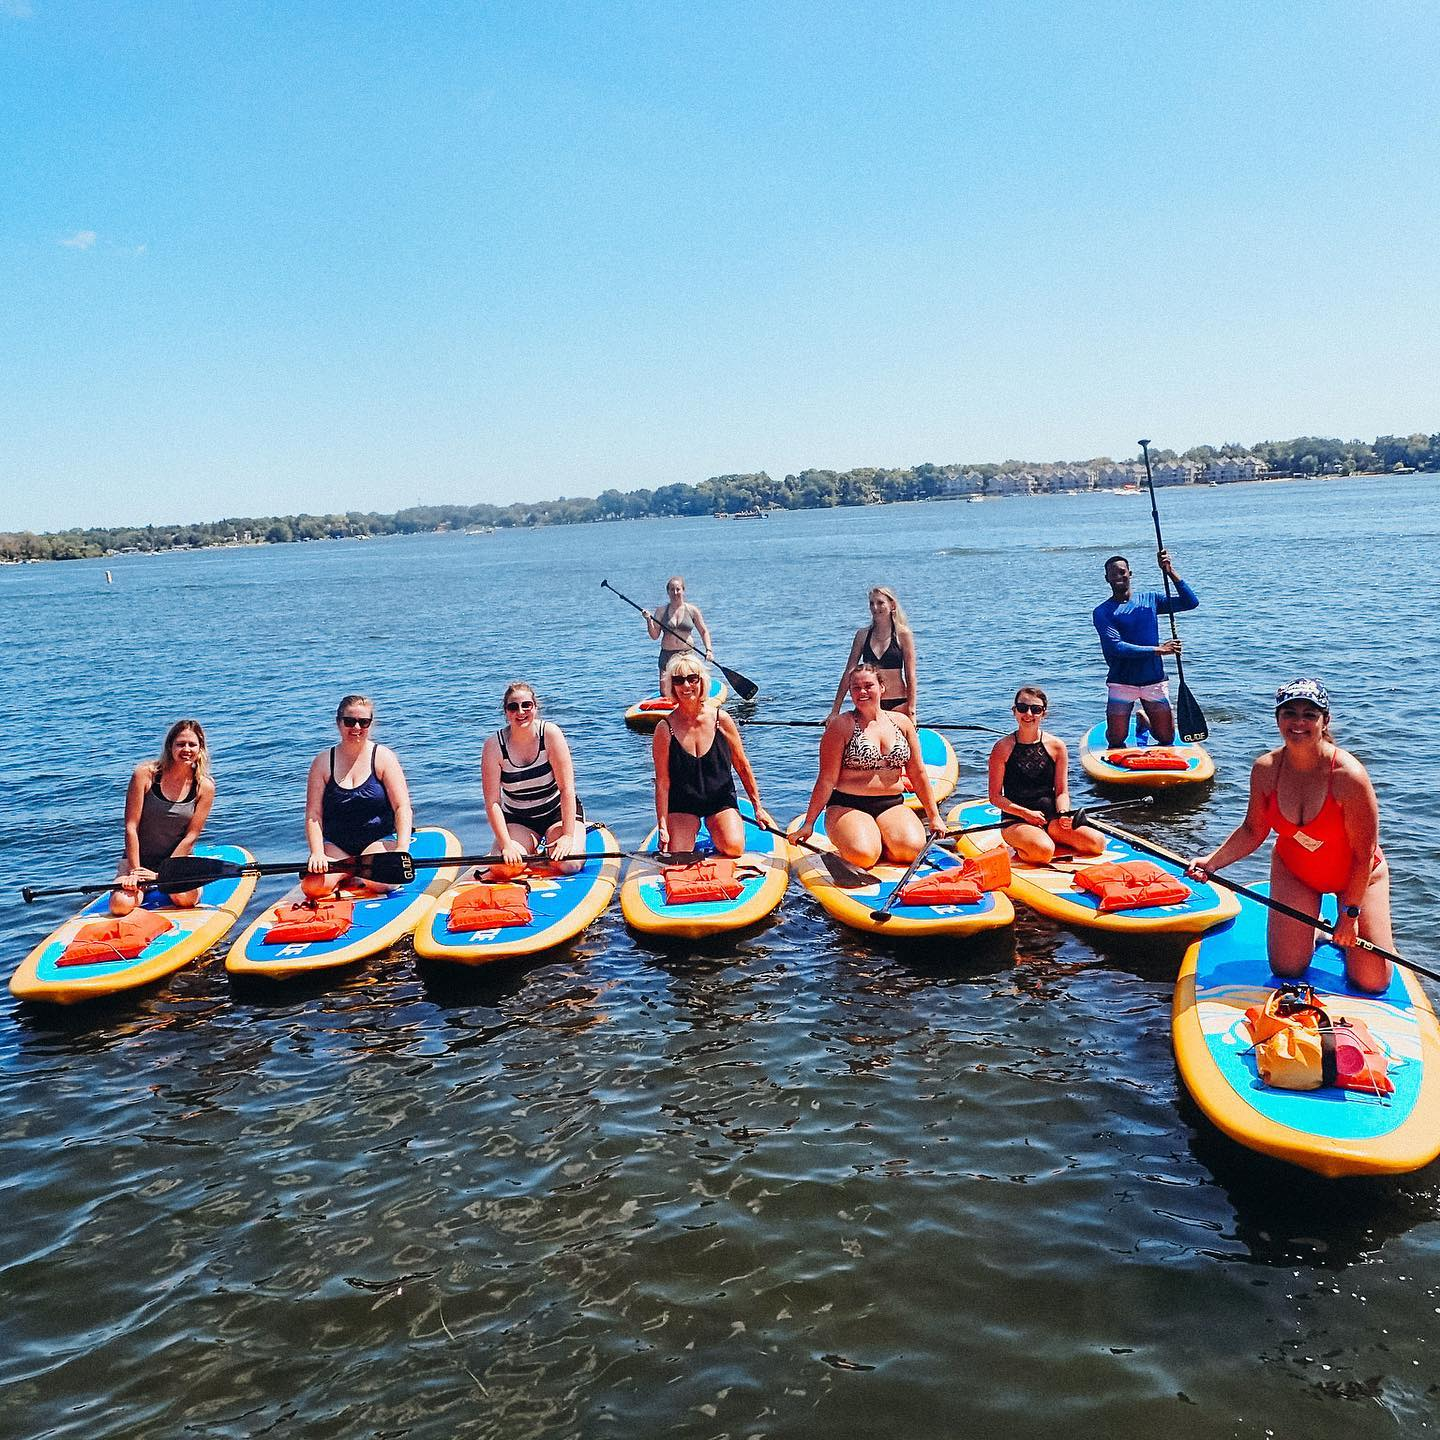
(1129, 629)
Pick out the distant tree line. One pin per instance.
(809, 490)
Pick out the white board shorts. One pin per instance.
(1129, 694)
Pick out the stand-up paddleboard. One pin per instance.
(646, 714)
(561, 906)
(1333, 1132)
(938, 756)
(1051, 889)
(377, 921)
(1094, 749)
(852, 907)
(642, 896)
(46, 976)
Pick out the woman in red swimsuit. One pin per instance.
(1318, 800)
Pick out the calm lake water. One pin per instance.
(794, 1185)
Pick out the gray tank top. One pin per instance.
(163, 823)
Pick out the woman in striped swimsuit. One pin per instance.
(529, 782)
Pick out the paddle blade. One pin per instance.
(744, 687)
(190, 872)
(1190, 717)
(843, 873)
(385, 867)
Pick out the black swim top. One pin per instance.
(351, 819)
(702, 784)
(1029, 778)
(163, 822)
(892, 659)
(862, 753)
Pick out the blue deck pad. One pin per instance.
(212, 897)
(1232, 971)
(551, 899)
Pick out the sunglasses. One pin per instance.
(1024, 707)
(362, 721)
(685, 679)
(514, 706)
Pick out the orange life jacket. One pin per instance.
(309, 921)
(488, 907)
(116, 937)
(1131, 885)
(1300, 1046)
(1151, 757)
(704, 880)
(962, 884)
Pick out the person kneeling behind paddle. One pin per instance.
(166, 808)
(695, 749)
(356, 800)
(1321, 805)
(1029, 780)
(866, 755)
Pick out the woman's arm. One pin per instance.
(698, 620)
(204, 799)
(832, 748)
(392, 777)
(844, 684)
(134, 805)
(1249, 835)
(490, 785)
(912, 684)
(314, 798)
(660, 754)
(564, 770)
(1361, 811)
(916, 772)
(741, 761)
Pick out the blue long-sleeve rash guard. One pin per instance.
(1129, 631)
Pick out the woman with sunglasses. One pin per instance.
(888, 644)
(529, 782)
(1319, 801)
(166, 807)
(866, 756)
(356, 800)
(696, 748)
(679, 614)
(1029, 780)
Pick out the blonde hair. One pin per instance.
(202, 760)
(685, 664)
(897, 611)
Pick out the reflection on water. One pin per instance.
(797, 1183)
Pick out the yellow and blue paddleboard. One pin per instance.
(642, 896)
(378, 921)
(938, 756)
(42, 978)
(561, 906)
(1094, 747)
(1333, 1132)
(637, 717)
(1051, 889)
(852, 907)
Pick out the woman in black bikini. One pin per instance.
(529, 782)
(866, 755)
(166, 807)
(1029, 780)
(695, 748)
(888, 644)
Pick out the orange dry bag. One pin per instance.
(486, 907)
(1300, 1046)
(116, 937)
(1131, 885)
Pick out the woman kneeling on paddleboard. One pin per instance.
(1029, 780)
(887, 644)
(695, 749)
(165, 810)
(356, 800)
(529, 782)
(1331, 846)
(866, 755)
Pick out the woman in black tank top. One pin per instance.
(695, 749)
(888, 644)
(166, 807)
(1028, 779)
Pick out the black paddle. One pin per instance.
(883, 913)
(1079, 817)
(820, 725)
(746, 689)
(190, 872)
(1161, 853)
(1188, 714)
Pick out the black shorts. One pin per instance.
(540, 821)
(874, 805)
(895, 702)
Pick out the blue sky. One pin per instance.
(306, 256)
